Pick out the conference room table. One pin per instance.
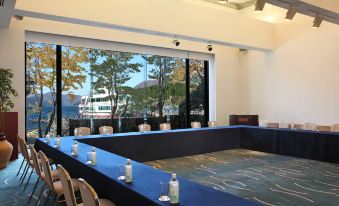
(145, 188)
(112, 151)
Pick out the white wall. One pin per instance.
(299, 80)
(223, 90)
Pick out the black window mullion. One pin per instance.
(188, 95)
(58, 88)
(206, 82)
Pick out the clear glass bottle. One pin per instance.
(94, 156)
(75, 148)
(128, 171)
(174, 190)
(58, 141)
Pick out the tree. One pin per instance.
(111, 70)
(161, 71)
(6, 92)
(41, 66)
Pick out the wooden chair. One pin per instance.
(195, 124)
(21, 149)
(37, 168)
(82, 131)
(52, 186)
(106, 130)
(212, 124)
(335, 128)
(323, 128)
(67, 185)
(272, 125)
(310, 126)
(165, 126)
(298, 126)
(284, 125)
(27, 158)
(144, 128)
(89, 196)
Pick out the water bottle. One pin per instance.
(75, 148)
(94, 156)
(174, 190)
(48, 138)
(58, 141)
(128, 171)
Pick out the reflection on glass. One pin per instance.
(109, 88)
(197, 91)
(40, 89)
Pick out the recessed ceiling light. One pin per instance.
(223, 1)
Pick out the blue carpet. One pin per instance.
(12, 193)
(268, 179)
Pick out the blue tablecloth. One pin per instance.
(145, 188)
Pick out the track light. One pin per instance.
(19, 18)
(176, 42)
(290, 13)
(317, 21)
(259, 5)
(2, 2)
(209, 47)
(223, 1)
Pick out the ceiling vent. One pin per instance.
(2, 2)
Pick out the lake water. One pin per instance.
(31, 118)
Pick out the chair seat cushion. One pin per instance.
(102, 202)
(58, 186)
(105, 202)
(54, 174)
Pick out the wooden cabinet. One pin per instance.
(11, 131)
(252, 120)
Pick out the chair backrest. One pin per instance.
(46, 168)
(144, 127)
(284, 125)
(298, 126)
(165, 126)
(263, 123)
(106, 130)
(310, 126)
(24, 148)
(335, 128)
(323, 128)
(272, 125)
(67, 186)
(83, 131)
(195, 124)
(34, 157)
(88, 195)
(212, 124)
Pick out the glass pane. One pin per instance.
(197, 91)
(166, 94)
(40, 89)
(76, 89)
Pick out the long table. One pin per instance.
(145, 189)
(112, 150)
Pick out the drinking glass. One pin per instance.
(164, 191)
(121, 172)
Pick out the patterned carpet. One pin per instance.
(12, 193)
(265, 178)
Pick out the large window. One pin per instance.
(69, 87)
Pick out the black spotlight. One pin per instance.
(176, 42)
(209, 47)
